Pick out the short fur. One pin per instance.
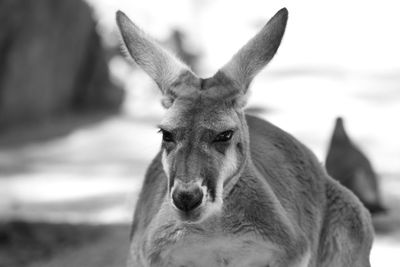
(268, 202)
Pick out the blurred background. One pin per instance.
(78, 120)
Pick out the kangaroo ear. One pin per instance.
(164, 68)
(252, 57)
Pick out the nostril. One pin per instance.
(187, 200)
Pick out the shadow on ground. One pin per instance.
(22, 243)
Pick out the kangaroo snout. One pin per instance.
(187, 196)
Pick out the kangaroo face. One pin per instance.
(203, 147)
(205, 136)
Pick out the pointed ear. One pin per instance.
(252, 57)
(164, 68)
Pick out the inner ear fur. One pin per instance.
(162, 66)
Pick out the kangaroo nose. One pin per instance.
(187, 198)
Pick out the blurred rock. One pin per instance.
(51, 61)
(347, 163)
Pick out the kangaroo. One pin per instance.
(348, 164)
(230, 189)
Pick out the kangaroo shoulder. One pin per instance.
(343, 204)
(263, 134)
(346, 215)
(271, 144)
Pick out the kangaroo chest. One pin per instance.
(206, 251)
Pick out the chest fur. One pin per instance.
(194, 250)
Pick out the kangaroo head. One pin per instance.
(205, 139)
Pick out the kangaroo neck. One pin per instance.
(244, 167)
(245, 164)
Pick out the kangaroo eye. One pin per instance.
(167, 136)
(224, 136)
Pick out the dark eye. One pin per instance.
(167, 136)
(224, 136)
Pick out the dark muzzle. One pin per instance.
(187, 197)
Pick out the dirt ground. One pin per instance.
(25, 244)
(109, 250)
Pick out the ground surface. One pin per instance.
(50, 244)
